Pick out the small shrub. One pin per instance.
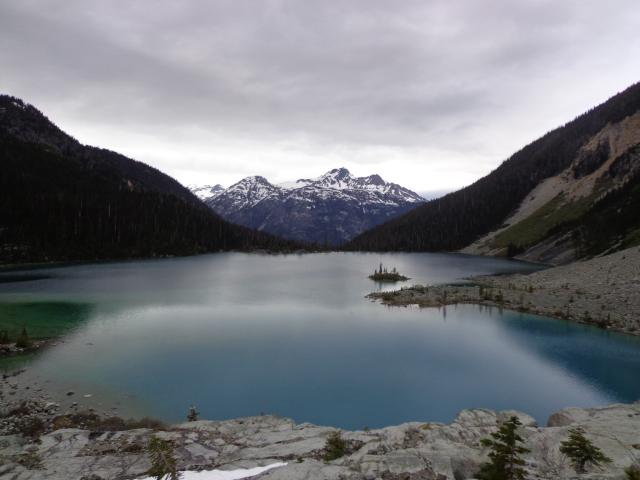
(163, 460)
(132, 447)
(193, 413)
(633, 472)
(60, 422)
(23, 340)
(21, 410)
(31, 427)
(145, 422)
(581, 451)
(94, 422)
(4, 337)
(335, 447)
(30, 460)
(388, 296)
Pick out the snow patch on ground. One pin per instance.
(226, 474)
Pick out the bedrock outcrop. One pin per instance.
(413, 451)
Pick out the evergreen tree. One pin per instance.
(23, 340)
(163, 461)
(581, 451)
(192, 416)
(335, 447)
(505, 456)
(633, 472)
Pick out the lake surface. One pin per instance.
(239, 334)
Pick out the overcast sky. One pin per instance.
(431, 94)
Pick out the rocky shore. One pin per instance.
(13, 350)
(411, 451)
(42, 437)
(601, 291)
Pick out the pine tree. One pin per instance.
(581, 451)
(23, 340)
(163, 461)
(633, 472)
(335, 446)
(192, 416)
(506, 450)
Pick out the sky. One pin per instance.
(430, 94)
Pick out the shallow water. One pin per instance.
(238, 334)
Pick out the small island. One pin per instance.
(384, 275)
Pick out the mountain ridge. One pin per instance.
(579, 227)
(64, 201)
(328, 209)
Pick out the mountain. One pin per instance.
(205, 191)
(571, 194)
(330, 209)
(63, 201)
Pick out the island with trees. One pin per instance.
(382, 274)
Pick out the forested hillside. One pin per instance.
(65, 201)
(602, 221)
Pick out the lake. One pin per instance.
(243, 334)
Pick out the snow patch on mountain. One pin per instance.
(251, 190)
(206, 191)
(327, 209)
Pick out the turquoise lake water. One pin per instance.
(239, 334)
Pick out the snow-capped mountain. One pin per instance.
(205, 191)
(330, 209)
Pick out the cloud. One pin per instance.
(431, 94)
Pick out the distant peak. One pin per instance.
(255, 182)
(338, 173)
(204, 192)
(375, 180)
(255, 179)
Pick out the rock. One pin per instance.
(568, 416)
(411, 451)
(526, 420)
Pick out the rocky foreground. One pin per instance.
(602, 291)
(412, 451)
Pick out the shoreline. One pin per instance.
(438, 296)
(601, 292)
(37, 442)
(67, 434)
(10, 350)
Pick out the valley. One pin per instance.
(141, 298)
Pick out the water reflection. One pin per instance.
(242, 334)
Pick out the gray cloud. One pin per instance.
(431, 94)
